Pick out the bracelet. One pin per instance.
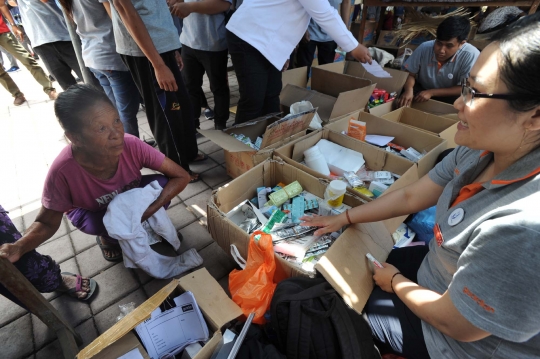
(392, 281)
(348, 218)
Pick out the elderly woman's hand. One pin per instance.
(383, 277)
(11, 251)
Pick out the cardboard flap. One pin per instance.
(284, 128)
(422, 120)
(434, 107)
(332, 84)
(297, 77)
(393, 84)
(226, 141)
(350, 101)
(211, 298)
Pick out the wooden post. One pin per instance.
(362, 24)
(24, 291)
(534, 7)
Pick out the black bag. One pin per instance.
(311, 321)
(256, 346)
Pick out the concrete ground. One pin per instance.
(31, 139)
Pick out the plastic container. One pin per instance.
(316, 161)
(334, 193)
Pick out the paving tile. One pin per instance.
(218, 156)
(82, 241)
(201, 139)
(107, 318)
(74, 311)
(91, 262)
(197, 204)
(216, 261)
(68, 266)
(209, 147)
(207, 125)
(16, 339)
(195, 236)
(215, 176)
(88, 332)
(59, 249)
(193, 189)
(155, 285)
(30, 217)
(176, 200)
(180, 216)
(71, 227)
(143, 277)
(114, 284)
(200, 167)
(10, 311)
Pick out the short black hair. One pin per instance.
(454, 27)
(73, 105)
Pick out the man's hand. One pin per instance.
(181, 9)
(361, 53)
(286, 66)
(423, 96)
(18, 33)
(165, 78)
(406, 98)
(306, 38)
(11, 251)
(179, 60)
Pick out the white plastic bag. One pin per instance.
(303, 106)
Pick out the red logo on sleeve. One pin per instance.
(438, 235)
(478, 301)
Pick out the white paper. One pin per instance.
(134, 354)
(172, 330)
(379, 140)
(376, 70)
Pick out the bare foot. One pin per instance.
(69, 281)
(111, 253)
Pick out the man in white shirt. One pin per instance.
(261, 36)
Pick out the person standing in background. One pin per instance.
(13, 66)
(205, 50)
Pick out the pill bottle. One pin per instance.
(316, 161)
(334, 193)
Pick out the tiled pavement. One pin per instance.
(30, 140)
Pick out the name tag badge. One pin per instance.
(450, 76)
(456, 217)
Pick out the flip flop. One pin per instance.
(106, 247)
(200, 159)
(78, 286)
(194, 180)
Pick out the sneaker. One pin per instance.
(150, 142)
(53, 95)
(14, 69)
(51, 78)
(19, 100)
(208, 114)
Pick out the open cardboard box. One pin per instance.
(266, 174)
(239, 157)
(405, 136)
(443, 127)
(333, 94)
(393, 84)
(217, 308)
(297, 77)
(376, 159)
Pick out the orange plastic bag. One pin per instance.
(253, 287)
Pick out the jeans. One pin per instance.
(9, 58)
(123, 93)
(326, 53)
(59, 57)
(214, 63)
(259, 82)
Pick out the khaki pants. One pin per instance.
(8, 42)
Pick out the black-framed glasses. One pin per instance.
(468, 94)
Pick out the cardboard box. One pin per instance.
(217, 308)
(267, 174)
(430, 106)
(333, 94)
(445, 128)
(239, 157)
(376, 159)
(297, 77)
(405, 136)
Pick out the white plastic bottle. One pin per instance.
(316, 161)
(334, 193)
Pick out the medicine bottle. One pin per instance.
(316, 161)
(334, 193)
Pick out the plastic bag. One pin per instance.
(252, 288)
(302, 106)
(400, 60)
(422, 223)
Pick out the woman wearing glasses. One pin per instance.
(474, 292)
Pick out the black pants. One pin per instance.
(170, 114)
(214, 63)
(59, 57)
(326, 53)
(259, 81)
(395, 327)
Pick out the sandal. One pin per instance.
(106, 247)
(200, 158)
(194, 180)
(78, 287)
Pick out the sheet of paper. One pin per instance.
(379, 140)
(376, 70)
(172, 330)
(134, 354)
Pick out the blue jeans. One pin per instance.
(123, 93)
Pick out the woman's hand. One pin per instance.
(179, 60)
(165, 78)
(328, 224)
(11, 251)
(383, 277)
(361, 53)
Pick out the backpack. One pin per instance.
(311, 321)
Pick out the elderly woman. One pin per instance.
(475, 293)
(99, 163)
